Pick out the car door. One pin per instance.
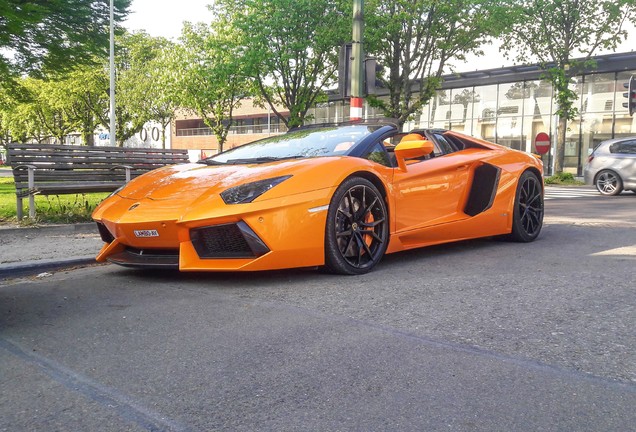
(625, 156)
(434, 190)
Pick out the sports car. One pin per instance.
(335, 196)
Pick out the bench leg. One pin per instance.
(31, 206)
(19, 208)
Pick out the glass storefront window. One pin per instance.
(485, 112)
(441, 109)
(598, 102)
(462, 109)
(510, 111)
(423, 119)
(572, 152)
(625, 125)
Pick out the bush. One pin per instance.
(563, 178)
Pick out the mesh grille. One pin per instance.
(221, 241)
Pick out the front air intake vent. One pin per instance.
(236, 240)
(107, 237)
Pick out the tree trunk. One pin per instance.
(559, 154)
(88, 138)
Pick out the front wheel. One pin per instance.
(608, 183)
(357, 231)
(527, 219)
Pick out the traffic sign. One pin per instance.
(542, 143)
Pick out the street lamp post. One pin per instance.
(112, 74)
(357, 66)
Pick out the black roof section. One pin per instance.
(617, 62)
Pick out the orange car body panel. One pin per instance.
(425, 205)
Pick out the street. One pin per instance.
(482, 335)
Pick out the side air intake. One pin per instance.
(483, 189)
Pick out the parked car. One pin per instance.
(338, 196)
(612, 166)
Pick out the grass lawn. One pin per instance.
(49, 209)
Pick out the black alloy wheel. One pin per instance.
(527, 219)
(357, 231)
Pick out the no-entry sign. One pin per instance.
(542, 143)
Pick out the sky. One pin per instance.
(165, 18)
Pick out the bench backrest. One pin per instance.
(85, 164)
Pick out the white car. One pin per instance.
(612, 166)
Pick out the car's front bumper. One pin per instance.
(272, 234)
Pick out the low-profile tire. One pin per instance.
(527, 217)
(608, 183)
(357, 230)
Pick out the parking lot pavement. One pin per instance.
(33, 250)
(473, 336)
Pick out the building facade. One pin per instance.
(509, 106)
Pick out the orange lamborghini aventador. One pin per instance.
(338, 196)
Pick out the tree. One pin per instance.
(555, 31)
(154, 89)
(212, 76)
(164, 92)
(53, 35)
(291, 48)
(7, 104)
(130, 117)
(51, 104)
(21, 121)
(88, 88)
(416, 39)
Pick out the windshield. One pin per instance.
(304, 143)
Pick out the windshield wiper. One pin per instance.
(262, 159)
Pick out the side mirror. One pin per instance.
(411, 150)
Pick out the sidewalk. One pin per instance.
(35, 250)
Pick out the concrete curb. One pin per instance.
(29, 268)
(82, 228)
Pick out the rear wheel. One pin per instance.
(608, 183)
(357, 231)
(527, 219)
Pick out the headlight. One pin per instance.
(248, 192)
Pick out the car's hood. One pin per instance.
(191, 181)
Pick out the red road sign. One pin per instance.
(542, 143)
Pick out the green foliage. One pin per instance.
(78, 99)
(563, 178)
(50, 105)
(555, 32)
(86, 92)
(49, 209)
(290, 48)
(160, 88)
(210, 70)
(416, 40)
(53, 35)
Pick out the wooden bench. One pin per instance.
(48, 169)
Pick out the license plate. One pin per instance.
(146, 233)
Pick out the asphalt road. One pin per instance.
(475, 336)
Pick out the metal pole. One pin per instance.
(112, 74)
(357, 66)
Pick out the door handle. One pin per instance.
(462, 167)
